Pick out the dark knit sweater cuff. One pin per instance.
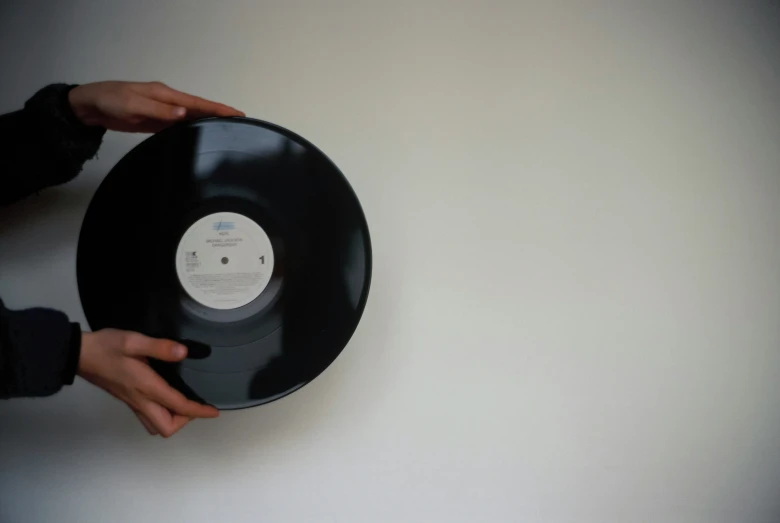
(72, 143)
(38, 352)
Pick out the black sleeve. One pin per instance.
(44, 144)
(40, 146)
(39, 352)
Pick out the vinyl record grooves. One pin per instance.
(238, 238)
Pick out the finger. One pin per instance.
(158, 390)
(143, 107)
(194, 105)
(167, 424)
(146, 423)
(138, 345)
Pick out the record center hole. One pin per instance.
(224, 261)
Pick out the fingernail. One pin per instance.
(179, 112)
(180, 351)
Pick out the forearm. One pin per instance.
(43, 144)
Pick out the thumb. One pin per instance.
(141, 346)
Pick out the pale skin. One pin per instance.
(114, 360)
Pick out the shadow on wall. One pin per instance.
(85, 421)
(59, 209)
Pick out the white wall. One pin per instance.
(576, 221)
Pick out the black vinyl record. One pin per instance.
(238, 238)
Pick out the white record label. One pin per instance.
(224, 260)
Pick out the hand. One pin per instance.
(116, 361)
(138, 107)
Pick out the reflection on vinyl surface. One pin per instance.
(240, 239)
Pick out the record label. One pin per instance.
(224, 260)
